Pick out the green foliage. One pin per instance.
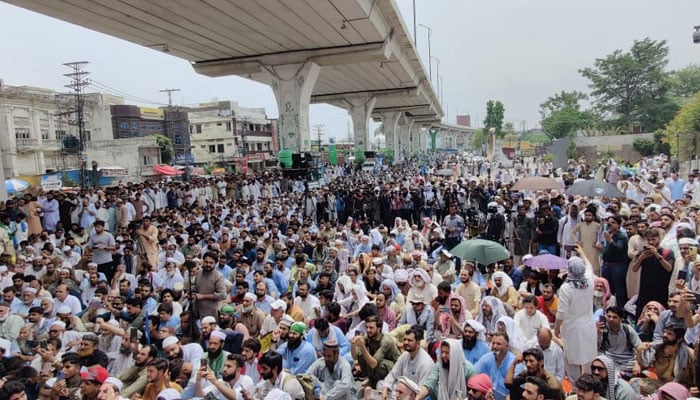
(645, 147)
(537, 138)
(166, 149)
(480, 138)
(685, 82)
(209, 167)
(661, 145)
(359, 157)
(633, 87)
(687, 120)
(565, 121)
(494, 117)
(562, 100)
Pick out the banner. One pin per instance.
(52, 181)
(332, 154)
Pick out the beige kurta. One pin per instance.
(588, 237)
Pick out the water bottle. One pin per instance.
(317, 391)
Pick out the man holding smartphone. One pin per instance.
(656, 264)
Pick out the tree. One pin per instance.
(633, 86)
(480, 138)
(494, 117)
(682, 131)
(645, 147)
(166, 148)
(566, 121)
(561, 101)
(685, 82)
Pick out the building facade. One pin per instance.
(38, 135)
(224, 133)
(130, 121)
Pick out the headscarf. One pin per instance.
(646, 308)
(445, 318)
(347, 284)
(506, 282)
(612, 375)
(606, 294)
(516, 339)
(477, 326)
(451, 380)
(480, 382)
(674, 390)
(394, 290)
(418, 272)
(497, 309)
(576, 276)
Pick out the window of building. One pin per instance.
(198, 128)
(229, 144)
(22, 133)
(88, 136)
(228, 127)
(60, 134)
(44, 128)
(212, 148)
(219, 123)
(220, 148)
(178, 139)
(259, 146)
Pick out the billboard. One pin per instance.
(152, 113)
(52, 181)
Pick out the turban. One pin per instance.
(480, 382)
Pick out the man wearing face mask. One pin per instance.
(297, 353)
(231, 384)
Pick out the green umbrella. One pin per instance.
(479, 250)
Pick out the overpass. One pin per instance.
(355, 54)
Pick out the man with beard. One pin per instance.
(479, 387)
(616, 387)
(448, 378)
(496, 363)
(376, 353)
(297, 353)
(547, 303)
(250, 316)
(273, 376)
(232, 382)
(281, 334)
(158, 375)
(414, 363)
(134, 378)
(334, 373)
(191, 352)
(672, 360)
(534, 367)
(251, 354)
(216, 353)
(89, 354)
(209, 288)
(123, 358)
(473, 341)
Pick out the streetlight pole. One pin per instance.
(437, 75)
(430, 63)
(415, 38)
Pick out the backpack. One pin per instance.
(606, 342)
(307, 382)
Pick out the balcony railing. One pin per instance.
(27, 144)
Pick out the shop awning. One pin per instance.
(167, 170)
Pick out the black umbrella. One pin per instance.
(594, 188)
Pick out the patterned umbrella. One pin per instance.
(15, 185)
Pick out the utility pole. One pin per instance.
(430, 55)
(171, 134)
(319, 128)
(78, 82)
(244, 145)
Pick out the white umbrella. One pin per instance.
(15, 185)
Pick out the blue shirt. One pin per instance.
(343, 343)
(225, 270)
(676, 188)
(475, 354)
(299, 359)
(487, 365)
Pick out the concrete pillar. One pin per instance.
(4, 149)
(390, 120)
(292, 85)
(405, 136)
(360, 112)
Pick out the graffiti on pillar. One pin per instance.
(288, 108)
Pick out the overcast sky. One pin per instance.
(516, 51)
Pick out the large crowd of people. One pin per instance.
(262, 287)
